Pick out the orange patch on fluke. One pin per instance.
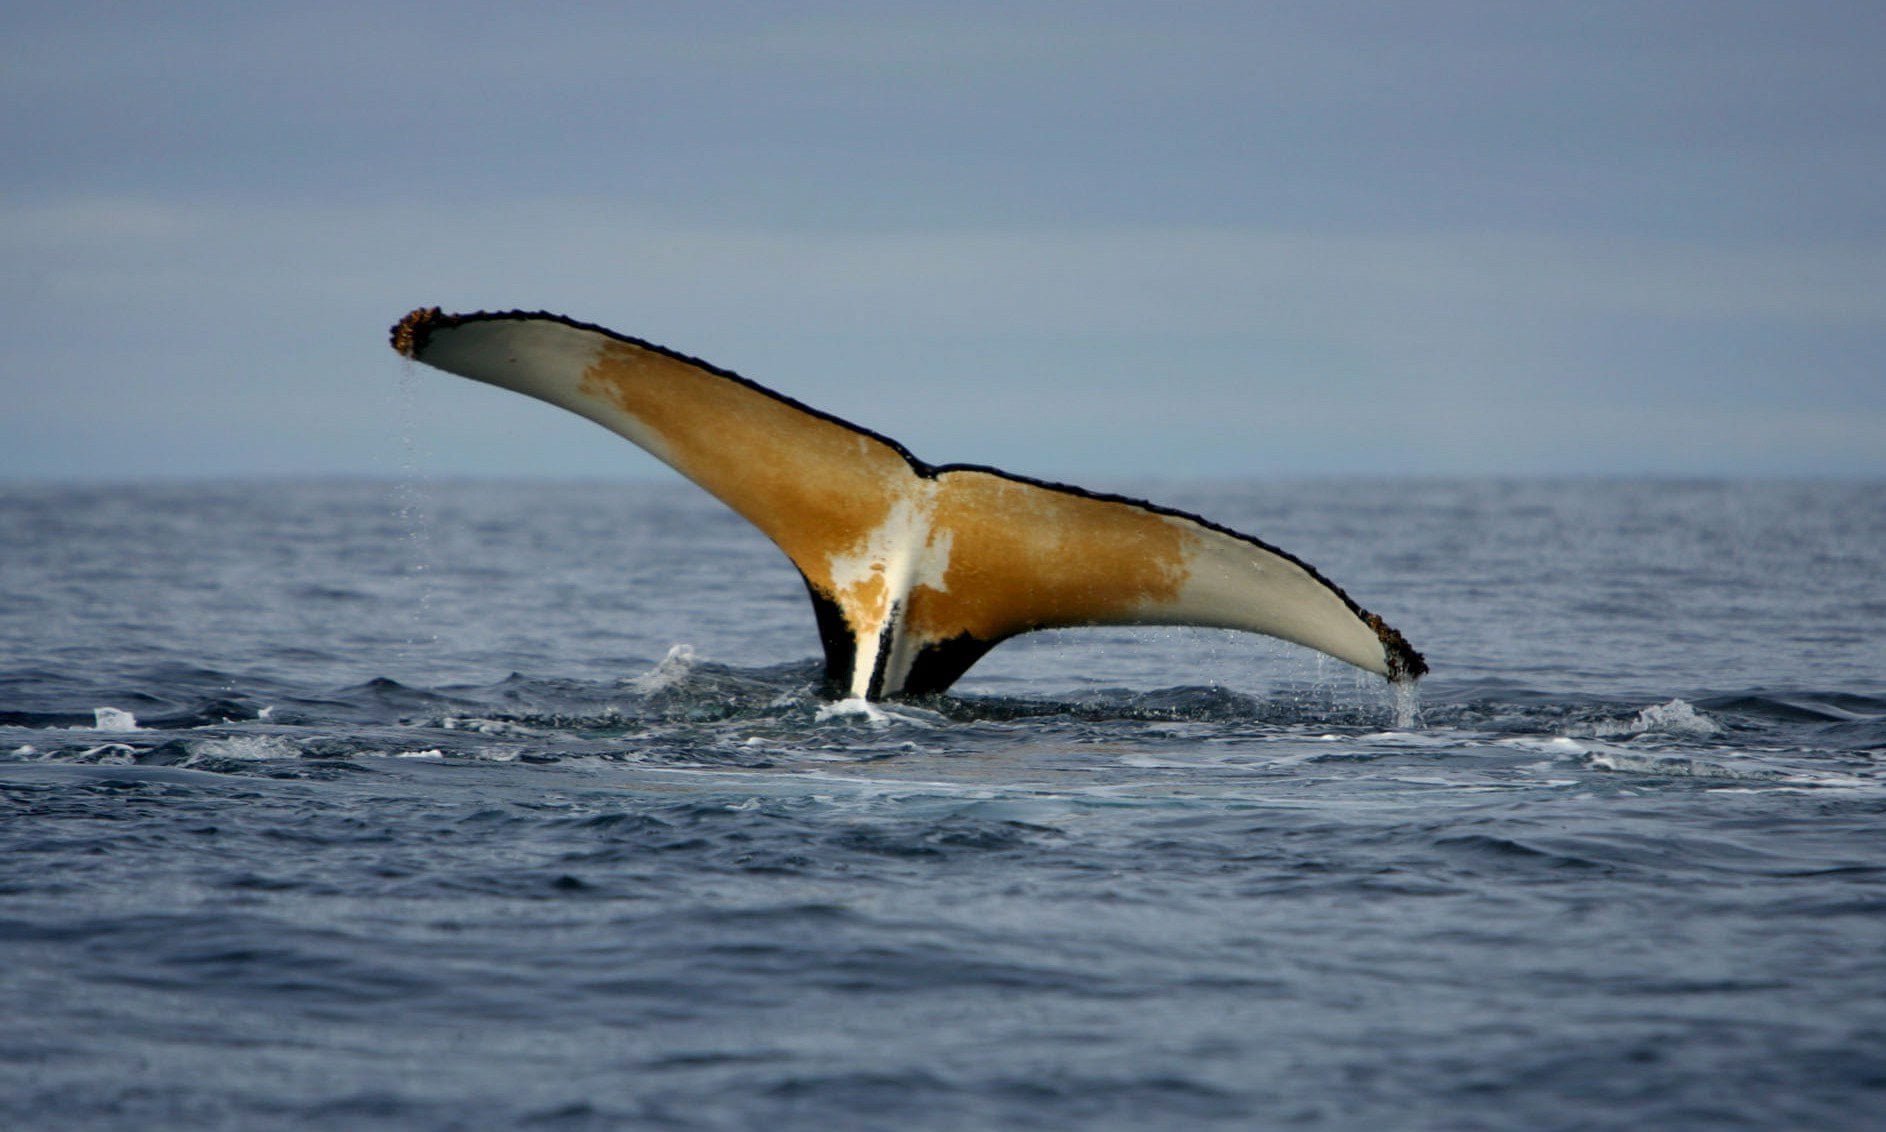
(1022, 558)
(813, 486)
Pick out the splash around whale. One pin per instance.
(915, 570)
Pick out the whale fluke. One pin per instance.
(915, 570)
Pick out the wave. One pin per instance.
(684, 711)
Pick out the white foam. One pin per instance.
(672, 670)
(1677, 717)
(110, 754)
(245, 747)
(1154, 762)
(875, 714)
(485, 726)
(856, 705)
(494, 754)
(1683, 766)
(1406, 739)
(1557, 745)
(113, 719)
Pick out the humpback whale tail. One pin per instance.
(915, 570)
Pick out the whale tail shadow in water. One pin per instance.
(915, 570)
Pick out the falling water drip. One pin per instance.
(412, 510)
(1407, 704)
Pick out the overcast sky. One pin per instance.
(1090, 241)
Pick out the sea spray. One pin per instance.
(670, 671)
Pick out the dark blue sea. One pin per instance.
(503, 805)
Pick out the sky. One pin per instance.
(1090, 241)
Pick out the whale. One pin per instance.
(915, 570)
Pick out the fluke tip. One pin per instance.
(409, 333)
(1404, 663)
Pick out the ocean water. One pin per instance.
(498, 805)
